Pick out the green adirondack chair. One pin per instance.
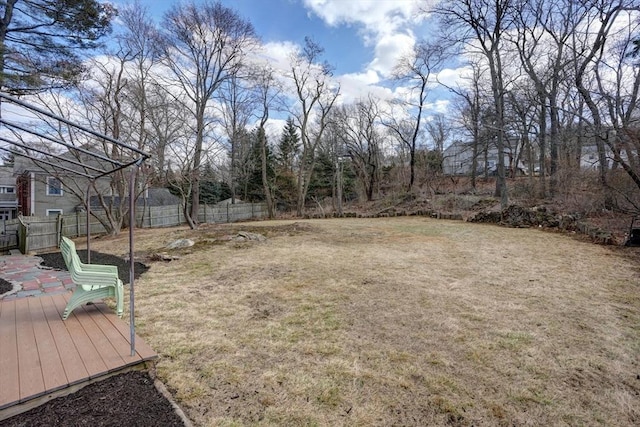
(93, 281)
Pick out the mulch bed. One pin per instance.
(55, 260)
(5, 286)
(128, 399)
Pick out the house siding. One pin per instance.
(66, 202)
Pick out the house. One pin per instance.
(40, 192)
(44, 193)
(458, 159)
(8, 194)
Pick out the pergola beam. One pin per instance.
(137, 157)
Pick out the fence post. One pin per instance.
(22, 236)
(59, 224)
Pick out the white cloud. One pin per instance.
(455, 77)
(277, 54)
(384, 25)
(357, 86)
(389, 49)
(375, 15)
(439, 106)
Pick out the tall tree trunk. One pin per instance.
(265, 181)
(542, 142)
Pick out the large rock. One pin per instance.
(245, 235)
(180, 243)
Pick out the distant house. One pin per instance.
(8, 194)
(589, 157)
(458, 159)
(40, 193)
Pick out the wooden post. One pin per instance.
(59, 224)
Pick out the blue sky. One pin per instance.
(362, 38)
(291, 21)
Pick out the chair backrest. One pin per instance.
(66, 248)
(70, 256)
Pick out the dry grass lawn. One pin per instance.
(397, 321)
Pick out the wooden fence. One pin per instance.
(9, 236)
(36, 233)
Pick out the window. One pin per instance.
(54, 212)
(5, 189)
(54, 187)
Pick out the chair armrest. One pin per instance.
(100, 268)
(91, 279)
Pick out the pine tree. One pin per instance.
(212, 190)
(285, 189)
(289, 145)
(254, 190)
(40, 40)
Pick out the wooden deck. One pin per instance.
(42, 356)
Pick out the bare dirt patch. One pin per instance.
(394, 321)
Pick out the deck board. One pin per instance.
(91, 359)
(29, 366)
(10, 389)
(40, 353)
(119, 341)
(71, 361)
(52, 371)
(143, 350)
(108, 354)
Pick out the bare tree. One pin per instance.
(591, 66)
(358, 127)
(439, 129)
(203, 45)
(416, 69)
(267, 92)
(471, 103)
(481, 25)
(544, 29)
(237, 102)
(315, 97)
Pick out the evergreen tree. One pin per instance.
(284, 187)
(289, 145)
(212, 189)
(254, 190)
(322, 179)
(40, 40)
